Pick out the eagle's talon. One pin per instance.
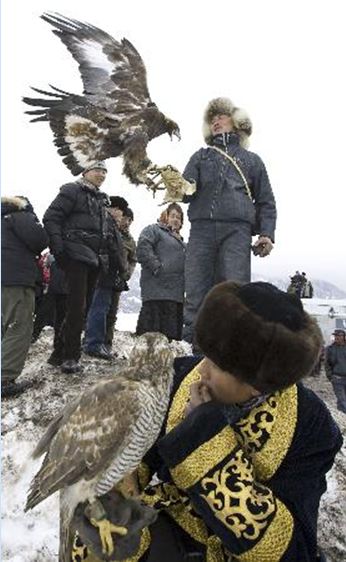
(106, 528)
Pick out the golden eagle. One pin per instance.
(115, 114)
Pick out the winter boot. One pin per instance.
(71, 366)
(100, 352)
(55, 358)
(13, 388)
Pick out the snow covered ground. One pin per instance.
(33, 537)
(127, 322)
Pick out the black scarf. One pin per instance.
(234, 412)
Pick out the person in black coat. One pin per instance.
(76, 224)
(22, 239)
(108, 283)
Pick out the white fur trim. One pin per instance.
(15, 201)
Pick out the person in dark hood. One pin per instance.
(130, 255)
(22, 240)
(77, 228)
(96, 326)
(232, 201)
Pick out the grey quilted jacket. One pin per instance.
(221, 194)
(162, 257)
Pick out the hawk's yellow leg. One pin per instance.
(106, 528)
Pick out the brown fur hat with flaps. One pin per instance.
(259, 334)
(224, 106)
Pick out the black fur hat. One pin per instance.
(259, 334)
(118, 202)
(129, 213)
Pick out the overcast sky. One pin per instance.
(283, 62)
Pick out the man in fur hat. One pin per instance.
(233, 200)
(244, 451)
(76, 225)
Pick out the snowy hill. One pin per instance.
(131, 300)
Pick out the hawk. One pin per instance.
(114, 116)
(97, 441)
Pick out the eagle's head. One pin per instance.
(152, 353)
(172, 128)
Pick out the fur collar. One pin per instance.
(14, 203)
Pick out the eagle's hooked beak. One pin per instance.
(175, 133)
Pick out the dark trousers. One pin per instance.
(217, 251)
(112, 318)
(44, 314)
(59, 317)
(339, 387)
(81, 280)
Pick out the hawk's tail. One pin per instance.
(67, 531)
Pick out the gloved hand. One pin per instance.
(263, 246)
(176, 186)
(126, 512)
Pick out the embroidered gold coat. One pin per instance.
(248, 492)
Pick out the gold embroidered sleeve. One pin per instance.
(241, 511)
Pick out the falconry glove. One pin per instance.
(170, 179)
(126, 512)
(176, 185)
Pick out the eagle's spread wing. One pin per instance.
(114, 116)
(83, 442)
(108, 67)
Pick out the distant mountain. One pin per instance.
(322, 289)
(131, 300)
